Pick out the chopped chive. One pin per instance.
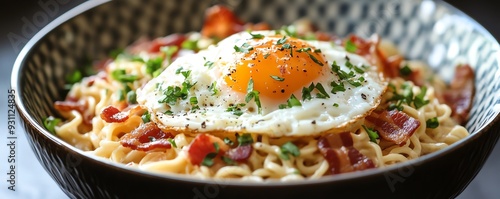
(405, 71)
(256, 36)
(244, 139)
(350, 46)
(432, 123)
(50, 124)
(289, 149)
(146, 117)
(172, 142)
(281, 41)
(372, 134)
(277, 78)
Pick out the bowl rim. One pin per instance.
(19, 64)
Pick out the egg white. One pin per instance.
(340, 112)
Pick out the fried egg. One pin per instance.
(264, 83)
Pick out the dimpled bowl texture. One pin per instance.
(425, 30)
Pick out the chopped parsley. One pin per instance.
(335, 105)
(50, 124)
(337, 87)
(74, 77)
(228, 160)
(213, 88)
(266, 55)
(172, 142)
(190, 45)
(291, 102)
(146, 117)
(121, 95)
(407, 97)
(419, 100)
(244, 139)
(405, 71)
(236, 109)
(289, 149)
(209, 158)
(372, 134)
(194, 103)
(306, 92)
(307, 50)
(209, 64)
(432, 123)
(122, 76)
(132, 97)
(154, 65)
(244, 48)
(253, 94)
(256, 36)
(350, 46)
(281, 41)
(169, 52)
(277, 78)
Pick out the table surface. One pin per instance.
(32, 182)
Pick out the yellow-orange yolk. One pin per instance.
(278, 67)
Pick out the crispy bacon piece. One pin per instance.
(362, 46)
(257, 26)
(342, 157)
(395, 126)
(170, 40)
(220, 22)
(240, 153)
(111, 114)
(460, 93)
(72, 103)
(147, 137)
(146, 45)
(202, 145)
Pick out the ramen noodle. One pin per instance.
(255, 104)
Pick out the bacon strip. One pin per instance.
(111, 114)
(395, 126)
(220, 22)
(202, 145)
(72, 103)
(342, 157)
(460, 93)
(147, 137)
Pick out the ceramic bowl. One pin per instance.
(434, 32)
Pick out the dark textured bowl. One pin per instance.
(431, 31)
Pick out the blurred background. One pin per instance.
(32, 182)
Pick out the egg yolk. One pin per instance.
(278, 66)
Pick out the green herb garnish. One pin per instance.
(350, 46)
(132, 97)
(432, 123)
(372, 134)
(289, 149)
(244, 139)
(122, 76)
(50, 124)
(245, 48)
(405, 71)
(277, 78)
(146, 117)
(253, 94)
(172, 142)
